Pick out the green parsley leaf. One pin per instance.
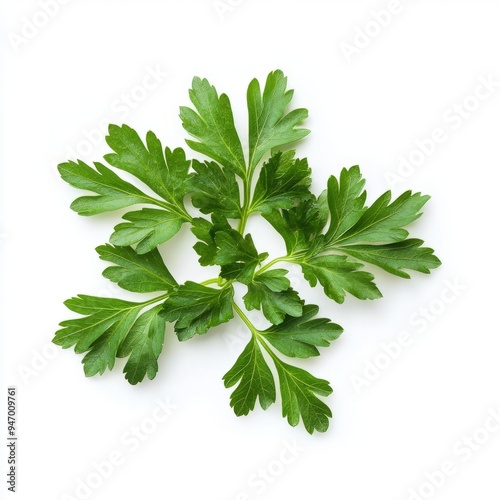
(300, 226)
(106, 325)
(255, 380)
(135, 272)
(195, 308)
(236, 255)
(379, 230)
(298, 397)
(271, 292)
(299, 389)
(224, 246)
(163, 171)
(205, 231)
(215, 190)
(101, 313)
(383, 222)
(143, 346)
(114, 193)
(337, 274)
(269, 125)
(346, 201)
(282, 182)
(299, 337)
(213, 125)
(394, 257)
(147, 228)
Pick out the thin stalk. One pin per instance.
(155, 299)
(285, 258)
(256, 333)
(245, 210)
(245, 319)
(176, 209)
(211, 281)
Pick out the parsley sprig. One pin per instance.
(330, 236)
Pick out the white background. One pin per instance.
(61, 84)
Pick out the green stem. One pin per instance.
(285, 258)
(176, 209)
(156, 299)
(256, 333)
(266, 346)
(245, 319)
(245, 210)
(211, 281)
(242, 223)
